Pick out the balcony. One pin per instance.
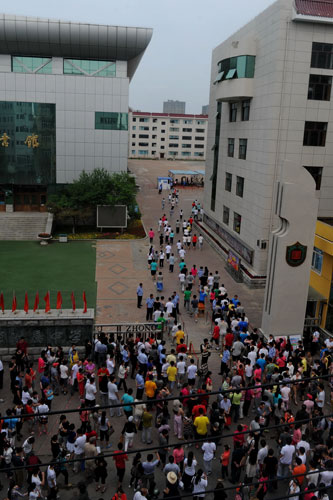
(234, 89)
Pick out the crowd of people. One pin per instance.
(233, 418)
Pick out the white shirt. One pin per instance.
(90, 391)
(169, 307)
(79, 444)
(285, 391)
(168, 249)
(181, 277)
(25, 397)
(209, 450)
(191, 371)
(182, 253)
(210, 280)
(190, 471)
(326, 477)
(63, 371)
(248, 370)
(181, 367)
(139, 496)
(252, 356)
(75, 369)
(303, 444)
(112, 390)
(262, 454)
(51, 477)
(200, 239)
(156, 315)
(321, 399)
(179, 245)
(287, 452)
(110, 365)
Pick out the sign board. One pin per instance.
(233, 261)
(112, 216)
(131, 329)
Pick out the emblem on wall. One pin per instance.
(296, 254)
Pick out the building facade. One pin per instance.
(205, 109)
(177, 107)
(270, 108)
(63, 103)
(169, 136)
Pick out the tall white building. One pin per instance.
(270, 108)
(63, 103)
(162, 135)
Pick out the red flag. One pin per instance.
(84, 302)
(2, 303)
(73, 301)
(26, 303)
(47, 302)
(59, 300)
(36, 304)
(14, 303)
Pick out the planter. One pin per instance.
(44, 238)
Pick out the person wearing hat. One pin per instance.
(129, 430)
(172, 487)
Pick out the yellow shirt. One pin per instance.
(304, 364)
(201, 424)
(179, 335)
(172, 372)
(150, 387)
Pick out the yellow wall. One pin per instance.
(322, 283)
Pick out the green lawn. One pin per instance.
(30, 267)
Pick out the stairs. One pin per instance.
(24, 226)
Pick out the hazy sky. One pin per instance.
(176, 64)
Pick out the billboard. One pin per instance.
(233, 261)
(112, 216)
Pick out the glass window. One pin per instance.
(245, 110)
(228, 182)
(242, 149)
(200, 130)
(173, 153)
(143, 152)
(186, 146)
(316, 173)
(219, 77)
(143, 128)
(143, 144)
(105, 120)
(187, 130)
(315, 134)
(226, 214)
(174, 137)
(233, 112)
(133, 151)
(243, 67)
(186, 153)
(186, 137)
(320, 87)
(237, 222)
(199, 138)
(173, 145)
(240, 186)
(188, 122)
(322, 55)
(232, 73)
(199, 146)
(174, 121)
(134, 119)
(200, 122)
(134, 128)
(317, 260)
(142, 120)
(89, 67)
(143, 136)
(231, 147)
(31, 65)
(174, 129)
(197, 153)
(134, 135)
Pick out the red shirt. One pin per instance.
(120, 459)
(22, 345)
(195, 239)
(216, 332)
(229, 338)
(91, 434)
(195, 411)
(180, 348)
(101, 372)
(185, 392)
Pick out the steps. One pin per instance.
(23, 226)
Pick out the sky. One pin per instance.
(176, 64)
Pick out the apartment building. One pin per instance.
(270, 106)
(169, 136)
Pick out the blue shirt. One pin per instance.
(125, 355)
(140, 381)
(127, 399)
(139, 291)
(262, 363)
(150, 303)
(143, 358)
(226, 356)
(202, 296)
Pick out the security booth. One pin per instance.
(164, 182)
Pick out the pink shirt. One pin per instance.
(151, 234)
(178, 455)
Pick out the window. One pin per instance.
(154, 128)
(163, 123)
(174, 129)
(134, 119)
(173, 145)
(154, 136)
(231, 147)
(153, 144)
(188, 122)
(162, 131)
(199, 138)
(184, 146)
(320, 87)
(162, 139)
(239, 186)
(31, 65)
(200, 130)
(143, 128)
(187, 130)
(236, 67)
(143, 152)
(226, 214)
(134, 128)
(133, 144)
(133, 152)
(174, 121)
(186, 137)
(242, 149)
(317, 260)
(143, 136)
(216, 155)
(162, 147)
(133, 136)
(237, 222)
(174, 137)
(173, 153)
(322, 55)
(233, 112)
(186, 153)
(142, 120)
(89, 67)
(154, 120)
(143, 144)
(315, 134)
(246, 110)
(199, 146)
(316, 173)
(111, 121)
(228, 182)
(200, 122)
(197, 153)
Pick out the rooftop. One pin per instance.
(316, 8)
(173, 115)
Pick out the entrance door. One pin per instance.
(161, 155)
(29, 202)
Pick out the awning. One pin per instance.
(314, 296)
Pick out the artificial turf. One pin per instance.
(65, 267)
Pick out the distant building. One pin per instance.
(162, 135)
(205, 109)
(174, 107)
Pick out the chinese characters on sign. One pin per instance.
(31, 140)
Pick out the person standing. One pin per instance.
(120, 459)
(209, 449)
(139, 294)
(52, 482)
(150, 307)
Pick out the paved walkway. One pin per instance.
(122, 265)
